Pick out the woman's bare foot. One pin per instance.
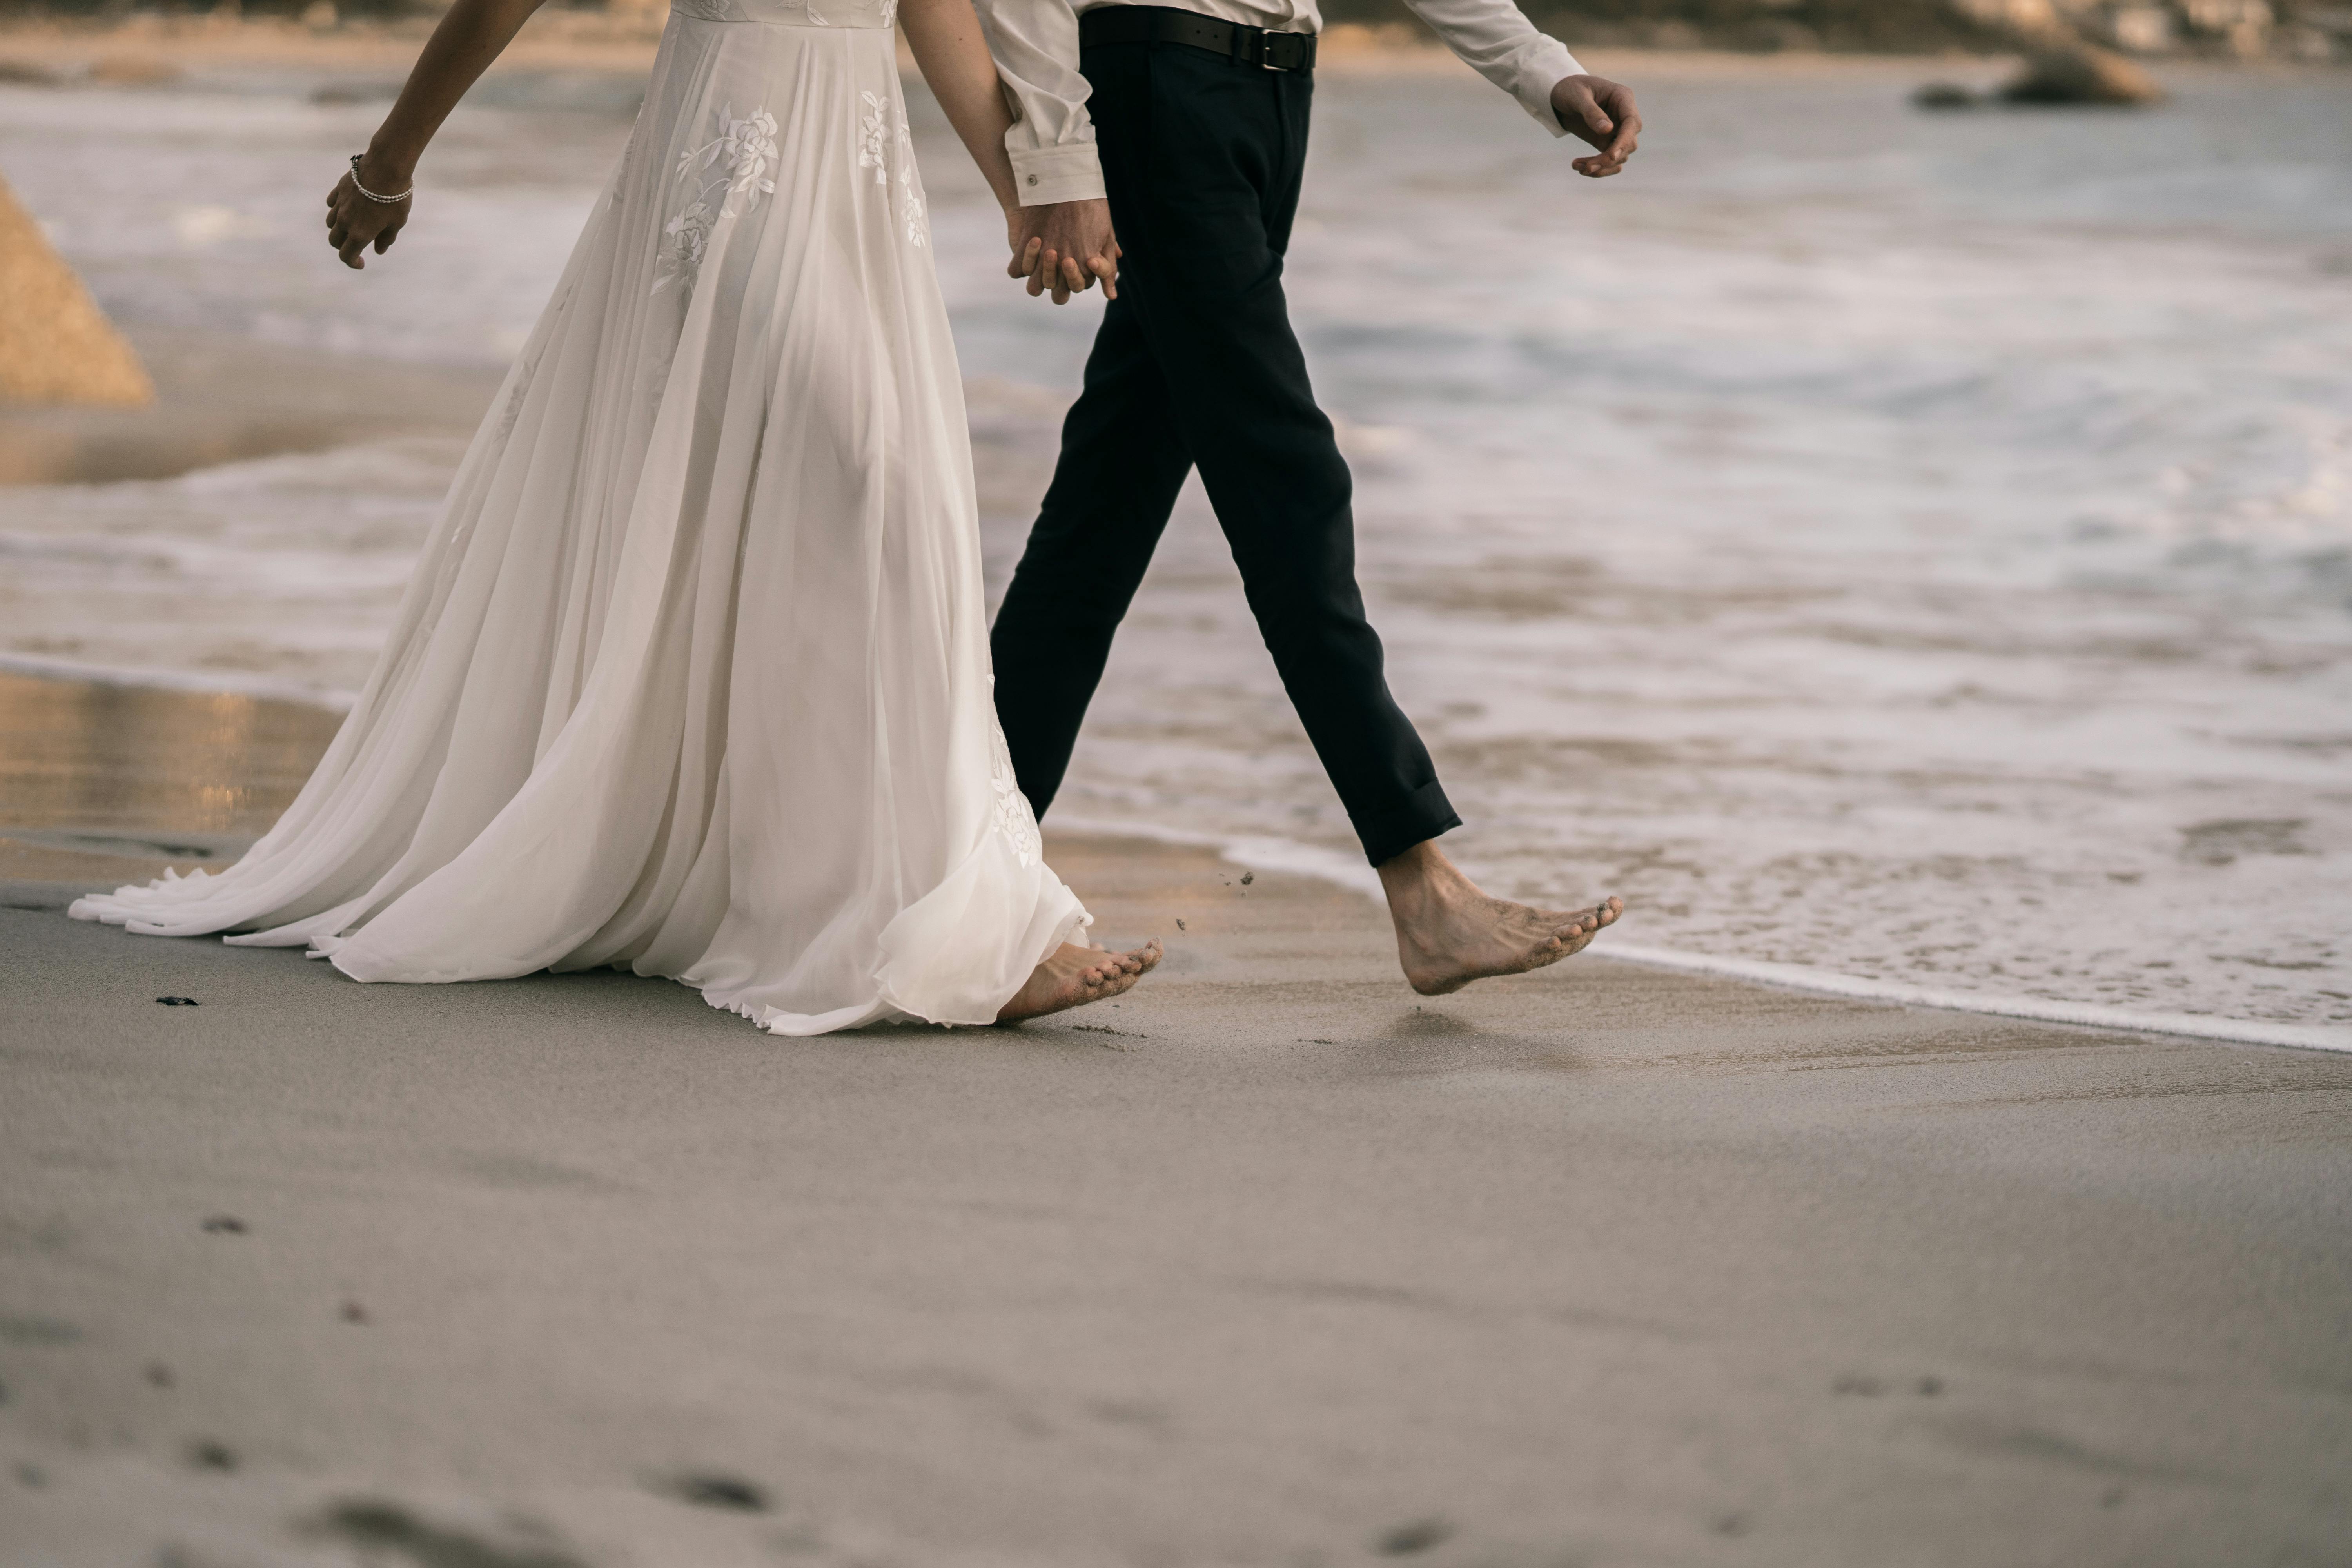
(1449, 933)
(1077, 975)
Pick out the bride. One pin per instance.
(693, 678)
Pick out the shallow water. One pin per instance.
(1915, 546)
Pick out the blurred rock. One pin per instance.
(2081, 75)
(2142, 29)
(2242, 26)
(25, 73)
(56, 346)
(1944, 95)
(2310, 45)
(2026, 18)
(2294, 30)
(132, 70)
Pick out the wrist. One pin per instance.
(387, 168)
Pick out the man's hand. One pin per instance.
(1063, 248)
(355, 223)
(1599, 111)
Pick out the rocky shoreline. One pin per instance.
(2316, 32)
(2304, 30)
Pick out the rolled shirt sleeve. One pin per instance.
(1052, 139)
(1495, 39)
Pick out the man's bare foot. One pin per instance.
(1449, 933)
(1077, 975)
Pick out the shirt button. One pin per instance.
(1032, 179)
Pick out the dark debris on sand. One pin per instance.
(710, 1490)
(377, 1527)
(1415, 1536)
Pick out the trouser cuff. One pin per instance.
(1420, 816)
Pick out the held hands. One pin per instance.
(1063, 248)
(1596, 110)
(354, 222)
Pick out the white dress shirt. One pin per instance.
(1052, 141)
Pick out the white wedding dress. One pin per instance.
(693, 678)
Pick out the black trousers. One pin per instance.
(1196, 365)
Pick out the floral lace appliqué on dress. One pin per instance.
(723, 177)
(878, 132)
(1013, 818)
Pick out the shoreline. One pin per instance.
(1259, 852)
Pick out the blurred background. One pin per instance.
(1903, 527)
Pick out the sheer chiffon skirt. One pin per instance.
(693, 678)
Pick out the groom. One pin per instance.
(1192, 121)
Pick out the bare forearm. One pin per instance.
(469, 38)
(953, 56)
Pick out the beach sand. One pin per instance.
(1270, 1262)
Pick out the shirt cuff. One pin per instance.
(1044, 175)
(1541, 72)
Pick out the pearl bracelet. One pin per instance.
(388, 201)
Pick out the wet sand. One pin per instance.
(1272, 1262)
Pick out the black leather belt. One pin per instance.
(1166, 24)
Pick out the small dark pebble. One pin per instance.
(723, 1491)
(178, 1002)
(1856, 1382)
(1419, 1535)
(355, 1313)
(1248, 877)
(30, 1474)
(1179, 922)
(159, 1375)
(1931, 1386)
(208, 1455)
(223, 1224)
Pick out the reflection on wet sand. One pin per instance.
(102, 782)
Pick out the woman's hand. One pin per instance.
(471, 34)
(355, 222)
